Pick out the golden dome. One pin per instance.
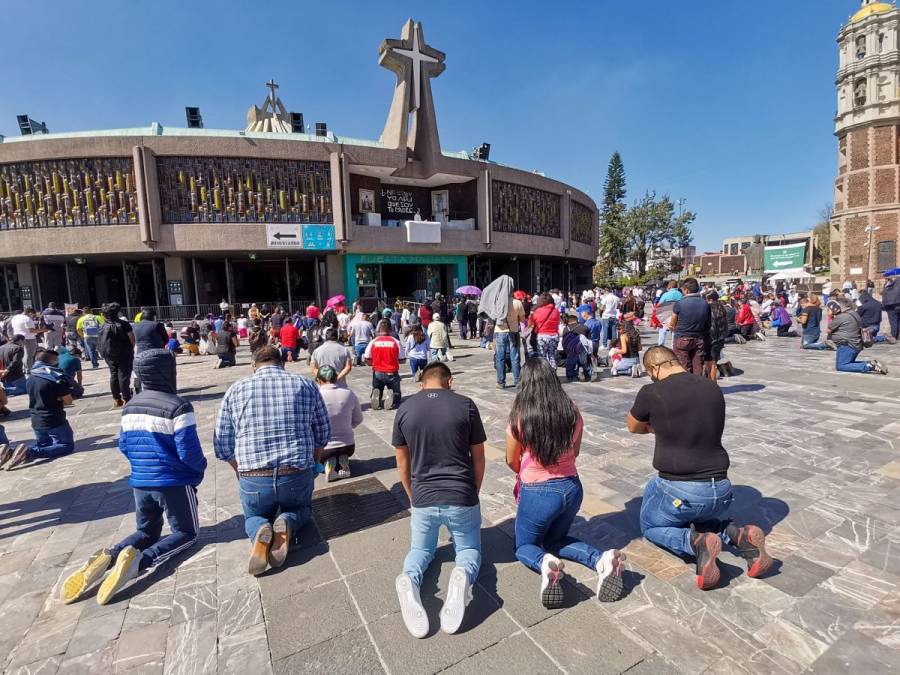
(870, 10)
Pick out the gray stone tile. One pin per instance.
(191, 647)
(516, 654)
(856, 653)
(95, 633)
(245, 651)
(100, 661)
(353, 552)
(351, 654)
(142, 649)
(47, 666)
(797, 576)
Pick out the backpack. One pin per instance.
(90, 326)
(113, 344)
(865, 332)
(571, 344)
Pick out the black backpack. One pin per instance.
(114, 345)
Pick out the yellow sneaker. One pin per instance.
(126, 569)
(85, 576)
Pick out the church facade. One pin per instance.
(186, 217)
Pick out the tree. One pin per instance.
(652, 223)
(612, 241)
(823, 236)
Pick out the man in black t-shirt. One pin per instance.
(685, 508)
(440, 439)
(690, 322)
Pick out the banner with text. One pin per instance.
(781, 258)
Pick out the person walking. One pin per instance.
(664, 303)
(54, 321)
(845, 331)
(24, 324)
(685, 508)
(718, 333)
(345, 414)
(159, 438)
(439, 338)
(361, 333)
(49, 391)
(385, 354)
(270, 428)
(88, 329)
(543, 440)
(507, 313)
(116, 346)
(439, 439)
(690, 326)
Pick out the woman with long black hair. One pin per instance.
(542, 443)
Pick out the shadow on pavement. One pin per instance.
(742, 388)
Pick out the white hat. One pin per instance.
(847, 285)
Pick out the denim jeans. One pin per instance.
(4, 440)
(416, 364)
(875, 336)
(669, 507)
(810, 339)
(545, 514)
(507, 344)
(663, 333)
(179, 504)
(392, 380)
(90, 350)
(845, 360)
(438, 354)
(264, 498)
(464, 525)
(607, 331)
(547, 345)
(360, 349)
(625, 365)
(226, 359)
(15, 387)
(53, 442)
(580, 362)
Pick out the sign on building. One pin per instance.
(284, 235)
(311, 236)
(319, 237)
(787, 257)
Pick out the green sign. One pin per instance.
(781, 258)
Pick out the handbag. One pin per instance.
(517, 489)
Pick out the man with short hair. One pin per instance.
(116, 346)
(88, 329)
(610, 315)
(439, 438)
(149, 333)
(49, 390)
(845, 331)
(690, 322)
(685, 508)
(159, 439)
(24, 324)
(289, 338)
(270, 428)
(890, 300)
(332, 353)
(385, 354)
(54, 320)
(666, 297)
(12, 366)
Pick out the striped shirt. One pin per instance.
(271, 419)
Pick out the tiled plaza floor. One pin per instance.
(815, 459)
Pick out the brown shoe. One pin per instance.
(281, 542)
(20, 456)
(118, 403)
(259, 553)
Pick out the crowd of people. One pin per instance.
(277, 429)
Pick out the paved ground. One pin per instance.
(814, 457)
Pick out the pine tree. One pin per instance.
(612, 240)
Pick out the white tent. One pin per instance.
(787, 275)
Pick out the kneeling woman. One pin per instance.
(542, 443)
(345, 414)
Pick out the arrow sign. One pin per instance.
(283, 235)
(279, 236)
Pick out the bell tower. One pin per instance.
(866, 220)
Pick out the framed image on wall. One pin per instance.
(366, 200)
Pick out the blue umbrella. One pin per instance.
(893, 272)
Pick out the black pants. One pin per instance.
(391, 380)
(748, 330)
(894, 318)
(120, 379)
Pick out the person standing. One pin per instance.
(498, 303)
(361, 332)
(439, 338)
(54, 320)
(12, 366)
(88, 329)
(439, 439)
(685, 508)
(24, 324)
(544, 321)
(385, 354)
(159, 439)
(49, 390)
(116, 346)
(610, 304)
(690, 325)
(71, 328)
(845, 331)
(345, 414)
(890, 300)
(667, 298)
(270, 428)
(543, 440)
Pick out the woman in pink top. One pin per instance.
(542, 444)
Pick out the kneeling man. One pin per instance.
(685, 508)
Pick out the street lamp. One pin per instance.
(870, 229)
(681, 202)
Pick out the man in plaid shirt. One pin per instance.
(270, 428)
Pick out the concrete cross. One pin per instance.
(417, 58)
(272, 86)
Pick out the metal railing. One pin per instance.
(188, 312)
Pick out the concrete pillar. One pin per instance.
(68, 283)
(156, 286)
(229, 281)
(178, 269)
(483, 197)
(334, 265)
(340, 189)
(287, 279)
(565, 224)
(147, 189)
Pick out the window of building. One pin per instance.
(734, 249)
(859, 92)
(880, 42)
(887, 255)
(745, 245)
(861, 47)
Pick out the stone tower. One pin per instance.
(866, 222)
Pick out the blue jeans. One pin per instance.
(810, 339)
(464, 525)
(416, 364)
(669, 508)
(663, 333)
(4, 440)
(90, 350)
(264, 498)
(53, 442)
(545, 514)
(580, 362)
(15, 387)
(625, 365)
(179, 504)
(845, 361)
(507, 344)
(392, 380)
(360, 349)
(438, 354)
(875, 336)
(607, 331)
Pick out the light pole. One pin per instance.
(681, 202)
(870, 229)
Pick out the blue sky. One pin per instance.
(727, 104)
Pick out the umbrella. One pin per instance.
(335, 300)
(895, 272)
(468, 290)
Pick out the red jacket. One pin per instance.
(425, 315)
(289, 335)
(745, 316)
(385, 352)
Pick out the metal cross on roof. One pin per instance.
(272, 87)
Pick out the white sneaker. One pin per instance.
(635, 371)
(414, 615)
(609, 582)
(552, 596)
(459, 595)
